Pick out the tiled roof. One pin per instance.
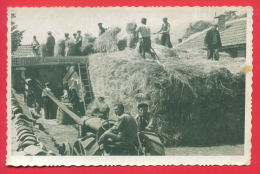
(23, 51)
(234, 34)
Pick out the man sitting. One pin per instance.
(143, 118)
(100, 109)
(123, 135)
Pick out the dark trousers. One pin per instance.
(50, 51)
(77, 50)
(48, 108)
(213, 52)
(120, 148)
(166, 41)
(145, 47)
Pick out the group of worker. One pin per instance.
(144, 34)
(123, 135)
(50, 44)
(212, 40)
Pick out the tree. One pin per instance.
(196, 27)
(16, 34)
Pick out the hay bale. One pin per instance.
(59, 49)
(88, 45)
(107, 42)
(193, 103)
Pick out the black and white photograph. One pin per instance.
(129, 86)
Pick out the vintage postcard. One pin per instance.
(129, 86)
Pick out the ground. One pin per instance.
(237, 149)
(68, 133)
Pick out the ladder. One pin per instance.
(86, 84)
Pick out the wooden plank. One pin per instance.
(42, 61)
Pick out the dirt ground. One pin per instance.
(206, 151)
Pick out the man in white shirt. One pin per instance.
(145, 38)
(165, 31)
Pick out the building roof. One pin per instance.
(234, 34)
(23, 51)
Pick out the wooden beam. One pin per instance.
(43, 61)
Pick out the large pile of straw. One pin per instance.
(107, 42)
(194, 101)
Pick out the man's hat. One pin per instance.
(101, 98)
(49, 32)
(165, 18)
(78, 31)
(141, 105)
(99, 23)
(143, 19)
(66, 34)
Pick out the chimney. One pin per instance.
(221, 22)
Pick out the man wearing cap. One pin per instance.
(75, 37)
(78, 43)
(145, 38)
(47, 103)
(50, 44)
(143, 118)
(165, 31)
(213, 43)
(101, 29)
(100, 109)
(123, 135)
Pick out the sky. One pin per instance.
(38, 21)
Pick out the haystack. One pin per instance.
(193, 100)
(107, 42)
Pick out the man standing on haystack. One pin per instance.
(145, 39)
(50, 44)
(101, 29)
(78, 43)
(213, 43)
(165, 31)
(35, 46)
